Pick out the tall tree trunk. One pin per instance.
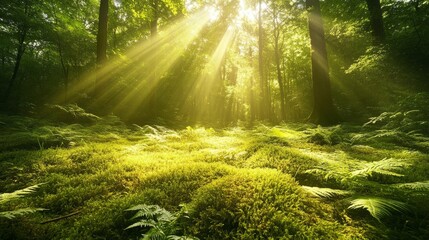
(101, 83)
(277, 57)
(280, 81)
(263, 87)
(376, 20)
(102, 32)
(64, 67)
(22, 35)
(155, 18)
(252, 105)
(324, 112)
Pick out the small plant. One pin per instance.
(326, 192)
(376, 206)
(324, 136)
(7, 197)
(161, 223)
(386, 167)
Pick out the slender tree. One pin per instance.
(264, 103)
(155, 17)
(277, 31)
(23, 28)
(376, 20)
(324, 112)
(102, 32)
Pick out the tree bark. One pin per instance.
(263, 87)
(102, 32)
(252, 105)
(324, 112)
(64, 67)
(376, 20)
(155, 18)
(277, 57)
(22, 35)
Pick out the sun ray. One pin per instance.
(210, 73)
(150, 58)
(170, 46)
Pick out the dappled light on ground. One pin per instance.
(105, 168)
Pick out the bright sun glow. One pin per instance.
(148, 62)
(150, 59)
(213, 13)
(247, 13)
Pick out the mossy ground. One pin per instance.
(236, 183)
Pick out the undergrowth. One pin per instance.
(291, 181)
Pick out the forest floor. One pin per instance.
(293, 181)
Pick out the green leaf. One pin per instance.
(415, 186)
(6, 197)
(387, 167)
(379, 207)
(326, 192)
(19, 212)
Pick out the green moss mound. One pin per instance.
(259, 204)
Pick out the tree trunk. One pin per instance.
(324, 112)
(263, 101)
(376, 20)
(102, 32)
(280, 81)
(252, 105)
(64, 67)
(22, 33)
(277, 57)
(155, 18)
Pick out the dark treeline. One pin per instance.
(214, 62)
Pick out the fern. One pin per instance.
(378, 207)
(161, 223)
(326, 192)
(19, 212)
(7, 197)
(415, 186)
(387, 167)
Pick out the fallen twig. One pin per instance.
(59, 218)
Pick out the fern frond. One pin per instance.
(174, 237)
(415, 186)
(6, 197)
(161, 223)
(19, 212)
(150, 212)
(326, 192)
(378, 207)
(388, 167)
(142, 223)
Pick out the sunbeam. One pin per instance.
(210, 74)
(144, 64)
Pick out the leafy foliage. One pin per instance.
(378, 207)
(415, 186)
(324, 136)
(326, 192)
(7, 197)
(70, 113)
(227, 179)
(161, 223)
(387, 167)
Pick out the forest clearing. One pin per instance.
(214, 119)
(296, 181)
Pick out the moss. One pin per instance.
(259, 204)
(108, 167)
